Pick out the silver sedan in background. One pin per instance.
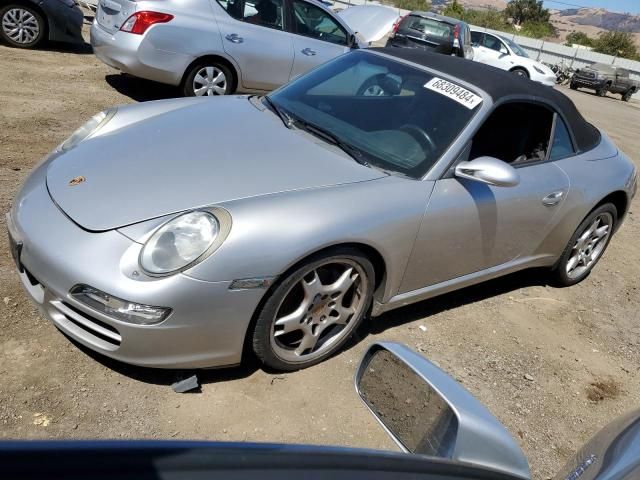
(217, 47)
(181, 233)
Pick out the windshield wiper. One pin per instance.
(286, 119)
(329, 136)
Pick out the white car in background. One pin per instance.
(503, 53)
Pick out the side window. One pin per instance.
(266, 13)
(622, 72)
(516, 133)
(476, 38)
(311, 21)
(494, 44)
(562, 146)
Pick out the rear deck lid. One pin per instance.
(111, 14)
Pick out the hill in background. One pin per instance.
(588, 20)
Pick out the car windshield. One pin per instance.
(434, 28)
(395, 117)
(517, 49)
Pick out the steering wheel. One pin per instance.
(421, 136)
(372, 88)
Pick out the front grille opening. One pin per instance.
(32, 280)
(95, 321)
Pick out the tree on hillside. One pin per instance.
(521, 11)
(619, 44)
(579, 38)
(493, 19)
(454, 10)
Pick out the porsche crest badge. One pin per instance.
(77, 181)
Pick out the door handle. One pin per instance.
(308, 52)
(553, 199)
(234, 38)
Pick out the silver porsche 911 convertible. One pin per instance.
(182, 233)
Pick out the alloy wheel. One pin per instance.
(20, 25)
(209, 81)
(319, 310)
(589, 246)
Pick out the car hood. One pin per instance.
(205, 153)
(370, 22)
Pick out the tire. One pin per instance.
(563, 273)
(627, 95)
(573, 86)
(521, 72)
(315, 329)
(213, 77)
(602, 92)
(22, 26)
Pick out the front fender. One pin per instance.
(274, 232)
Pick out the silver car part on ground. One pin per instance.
(447, 422)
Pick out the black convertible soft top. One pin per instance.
(499, 84)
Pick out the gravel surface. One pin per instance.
(554, 365)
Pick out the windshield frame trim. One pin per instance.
(440, 167)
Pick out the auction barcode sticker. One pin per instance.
(455, 92)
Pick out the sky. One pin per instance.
(631, 6)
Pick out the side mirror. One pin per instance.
(503, 54)
(488, 170)
(427, 412)
(352, 41)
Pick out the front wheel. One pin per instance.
(573, 86)
(521, 72)
(586, 246)
(21, 26)
(208, 78)
(314, 310)
(601, 92)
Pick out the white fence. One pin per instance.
(547, 52)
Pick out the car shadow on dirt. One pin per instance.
(139, 89)
(160, 376)
(74, 48)
(456, 299)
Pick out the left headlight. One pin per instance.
(91, 126)
(180, 243)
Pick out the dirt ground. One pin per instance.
(554, 365)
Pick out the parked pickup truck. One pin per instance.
(605, 78)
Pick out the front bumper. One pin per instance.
(592, 83)
(136, 55)
(206, 329)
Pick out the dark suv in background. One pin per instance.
(429, 31)
(605, 78)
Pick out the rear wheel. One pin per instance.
(314, 310)
(586, 246)
(22, 26)
(627, 95)
(521, 72)
(208, 78)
